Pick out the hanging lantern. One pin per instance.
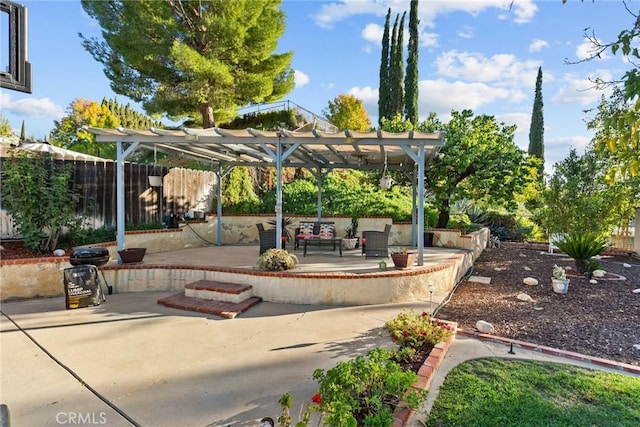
(385, 181)
(155, 180)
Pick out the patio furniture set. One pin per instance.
(323, 233)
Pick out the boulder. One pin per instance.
(484, 327)
(525, 297)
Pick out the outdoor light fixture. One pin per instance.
(385, 181)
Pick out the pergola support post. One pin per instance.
(121, 155)
(220, 173)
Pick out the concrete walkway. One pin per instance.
(131, 361)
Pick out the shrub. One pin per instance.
(581, 246)
(410, 329)
(36, 193)
(366, 390)
(277, 260)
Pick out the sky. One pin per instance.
(477, 55)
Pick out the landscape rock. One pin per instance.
(484, 327)
(636, 346)
(58, 252)
(525, 297)
(527, 268)
(636, 291)
(599, 273)
(530, 281)
(593, 281)
(626, 265)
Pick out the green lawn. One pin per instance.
(499, 392)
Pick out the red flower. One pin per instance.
(316, 399)
(424, 314)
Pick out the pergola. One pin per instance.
(317, 151)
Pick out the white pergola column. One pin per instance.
(121, 155)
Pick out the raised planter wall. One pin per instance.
(42, 277)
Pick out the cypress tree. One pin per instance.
(397, 72)
(411, 79)
(383, 90)
(536, 129)
(23, 132)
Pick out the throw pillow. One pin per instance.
(306, 228)
(327, 231)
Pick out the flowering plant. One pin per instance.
(277, 260)
(410, 329)
(402, 251)
(559, 273)
(284, 420)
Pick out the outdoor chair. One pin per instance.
(267, 238)
(376, 243)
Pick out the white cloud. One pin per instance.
(300, 78)
(466, 32)
(581, 90)
(502, 69)
(329, 14)
(428, 39)
(31, 107)
(441, 96)
(368, 95)
(373, 33)
(587, 50)
(537, 45)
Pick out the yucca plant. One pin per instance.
(581, 246)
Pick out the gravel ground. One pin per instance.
(601, 319)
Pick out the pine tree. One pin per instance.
(383, 91)
(536, 129)
(191, 59)
(411, 79)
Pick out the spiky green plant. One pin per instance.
(582, 246)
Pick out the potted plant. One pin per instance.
(559, 280)
(132, 255)
(350, 240)
(403, 258)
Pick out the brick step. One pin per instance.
(225, 309)
(218, 291)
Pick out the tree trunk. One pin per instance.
(207, 116)
(443, 217)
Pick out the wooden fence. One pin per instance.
(183, 191)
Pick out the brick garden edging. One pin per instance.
(425, 374)
(612, 364)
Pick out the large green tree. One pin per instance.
(578, 197)
(411, 79)
(195, 59)
(620, 135)
(384, 91)
(536, 128)
(348, 112)
(479, 161)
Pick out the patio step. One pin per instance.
(218, 291)
(209, 297)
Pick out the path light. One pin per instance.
(431, 289)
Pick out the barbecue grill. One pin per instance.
(91, 256)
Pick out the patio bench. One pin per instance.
(321, 232)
